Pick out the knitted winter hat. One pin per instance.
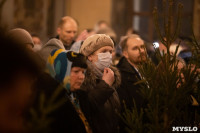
(21, 36)
(77, 59)
(95, 42)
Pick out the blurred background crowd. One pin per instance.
(93, 48)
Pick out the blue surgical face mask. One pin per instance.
(104, 60)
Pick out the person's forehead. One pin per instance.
(78, 68)
(136, 41)
(36, 38)
(69, 25)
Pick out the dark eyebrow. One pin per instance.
(134, 47)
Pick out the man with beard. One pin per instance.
(134, 53)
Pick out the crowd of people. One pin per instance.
(76, 84)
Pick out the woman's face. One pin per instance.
(94, 57)
(77, 77)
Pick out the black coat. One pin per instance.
(64, 118)
(127, 90)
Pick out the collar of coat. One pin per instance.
(125, 66)
(91, 77)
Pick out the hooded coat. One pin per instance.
(47, 48)
(99, 102)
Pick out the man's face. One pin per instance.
(135, 52)
(67, 32)
(77, 77)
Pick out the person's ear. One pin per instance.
(125, 53)
(58, 30)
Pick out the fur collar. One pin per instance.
(91, 76)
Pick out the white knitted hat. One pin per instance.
(95, 42)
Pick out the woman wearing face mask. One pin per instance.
(98, 97)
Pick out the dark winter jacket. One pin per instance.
(128, 90)
(99, 102)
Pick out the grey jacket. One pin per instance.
(47, 48)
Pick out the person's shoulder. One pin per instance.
(123, 64)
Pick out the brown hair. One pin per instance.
(124, 39)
